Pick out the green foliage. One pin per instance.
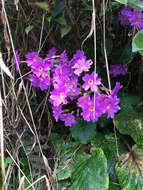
(132, 3)
(123, 55)
(59, 7)
(83, 132)
(91, 173)
(86, 156)
(130, 169)
(66, 152)
(108, 144)
(85, 171)
(28, 29)
(137, 42)
(65, 29)
(129, 121)
(43, 5)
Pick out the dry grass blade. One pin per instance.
(4, 67)
(21, 184)
(19, 168)
(2, 140)
(90, 32)
(39, 179)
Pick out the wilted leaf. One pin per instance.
(130, 169)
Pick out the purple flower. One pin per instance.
(39, 82)
(72, 89)
(40, 69)
(63, 57)
(116, 70)
(57, 112)
(136, 19)
(112, 106)
(124, 15)
(78, 55)
(62, 74)
(90, 112)
(48, 62)
(17, 60)
(51, 52)
(58, 96)
(83, 100)
(69, 119)
(116, 89)
(91, 82)
(73, 92)
(82, 65)
(32, 58)
(100, 103)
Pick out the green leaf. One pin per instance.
(123, 55)
(110, 146)
(65, 30)
(59, 7)
(66, 152)
(122, 1)
(83, 132)
(28, 29)
(8, 161)
(43, 5)
(114, 186)
(129, 121)
(61, 20)
(130, 169)
(91, 173)
(137, 42)
(132, 3)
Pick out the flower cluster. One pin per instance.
(133, 17)
(40, 69)
(116, 70)
(75, 91)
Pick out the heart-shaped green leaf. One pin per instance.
(83, 132)
(91, 173)
(130, 169)
(129, 121)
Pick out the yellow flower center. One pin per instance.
(73, 90)
(34, 59)
(83, 68)
(90, 108)
(62, 95)
(40, 68)
(90, 81)
(66, 84)
(108, 106)
(74, 84)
